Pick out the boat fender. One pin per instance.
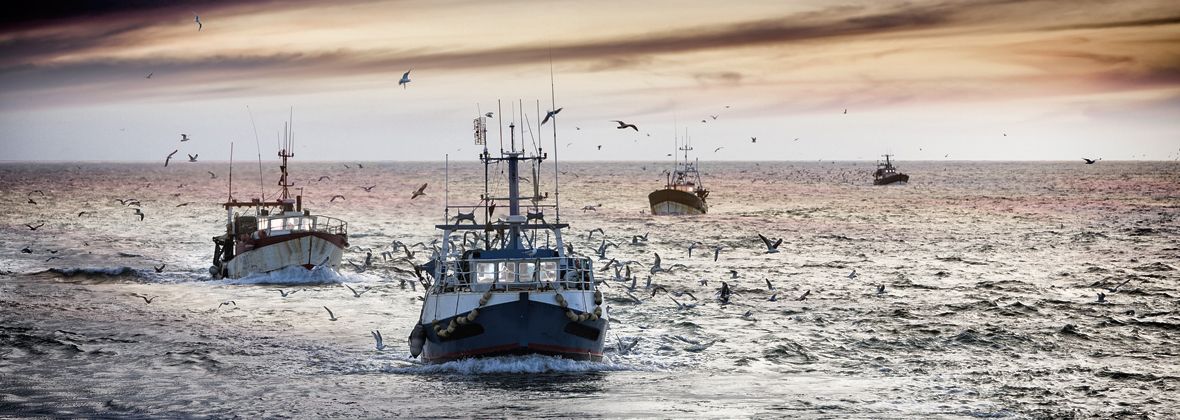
(598, 297)
(417, 340)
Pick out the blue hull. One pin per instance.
(516, 328)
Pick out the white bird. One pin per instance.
(405, 79)
(551, 114)
(853, 274)
(285, 294)
(197, 19)
(331, 316)
(377, 336)
(227, 303)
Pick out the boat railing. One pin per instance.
(279, 225)
(479, 275)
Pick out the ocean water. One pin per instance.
(991, 274)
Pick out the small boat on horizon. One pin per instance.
(683, 193)
(269, 236)
(886, 174)
(508, 286)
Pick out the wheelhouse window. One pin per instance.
(485, 273)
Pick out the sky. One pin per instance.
(830, 80)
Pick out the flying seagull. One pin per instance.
(717, 149)
(369, 188)
(169, 158)
(145, 298)
(420, 191)
(623, 125)
(160, 269)
(212, 175)
(197, 19)
(31, 227)
(405, 79)
(771, 247)
(551, 114)
(333, 200)
(184, 137)
(331, 316)
(193, 158)
(1091, 161)
(753, 139)
(285, 294)
(354, 292)
(149, 76)
(377, 336)
(139, 212)
(489, 114)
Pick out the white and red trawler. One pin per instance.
(264, 236)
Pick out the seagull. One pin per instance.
(184, 137)
(804, 295)
(193, 158)
(377, 336)
(716, 252)
(489, 115)
(1091, 161)
(31, 227)
(714, 116)
(145, 298)
(227, 303)
(600, 147)
(753, 139)
(335, 197)
(420, 191)
(768, 285)
(285, 294)
(691, 247)
(212, 175)
(323, 177)
(169, 158)
(551, 114)
(354, 292)
(719, 148)
(623, 125)
(1101, 297)
(853, 275)
(733, 274)
(591, 234)
(197, 19)
(724, 294)
(405, 79)
(139, 213)
(845, 110)
(770, 247)
(881, 289)
(149, 76)
(160, 269)
(369, 188)
(83, 213)
(331, 316)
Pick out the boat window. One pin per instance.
(485, 273)
(525, 272)
(507, 271)
(548, 271)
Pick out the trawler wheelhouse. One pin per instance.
(887, 174)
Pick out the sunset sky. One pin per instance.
(978, 80)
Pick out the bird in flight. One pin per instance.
(753, 139)
(139, 212)
(717, 149)
(212, 175)
(845, 110)
(714, 116)
(160, 269)
(623, 125)
(149, 76)
(193, 158)
(197, 19)
(489, 115)
(405, 79)
(420, 191)
(331, 316)
(368, 188)
(600, 147)
(323, 177)
(31, 227)
(333, 200)
(183, 137)
(377, 336)
(145, 298)
(169, 158)
(771, 247)
(551, 114)
(1091, 161)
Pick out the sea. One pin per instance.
(982, 290)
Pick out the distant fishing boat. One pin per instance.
(268, 236)
(887, 174)
(683, 193)
(508, 286)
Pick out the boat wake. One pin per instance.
(107, 272)
(533, 363)
(291, 275)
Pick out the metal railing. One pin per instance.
(304, 223)
(478, 275)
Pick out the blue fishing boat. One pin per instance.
(508, 285)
